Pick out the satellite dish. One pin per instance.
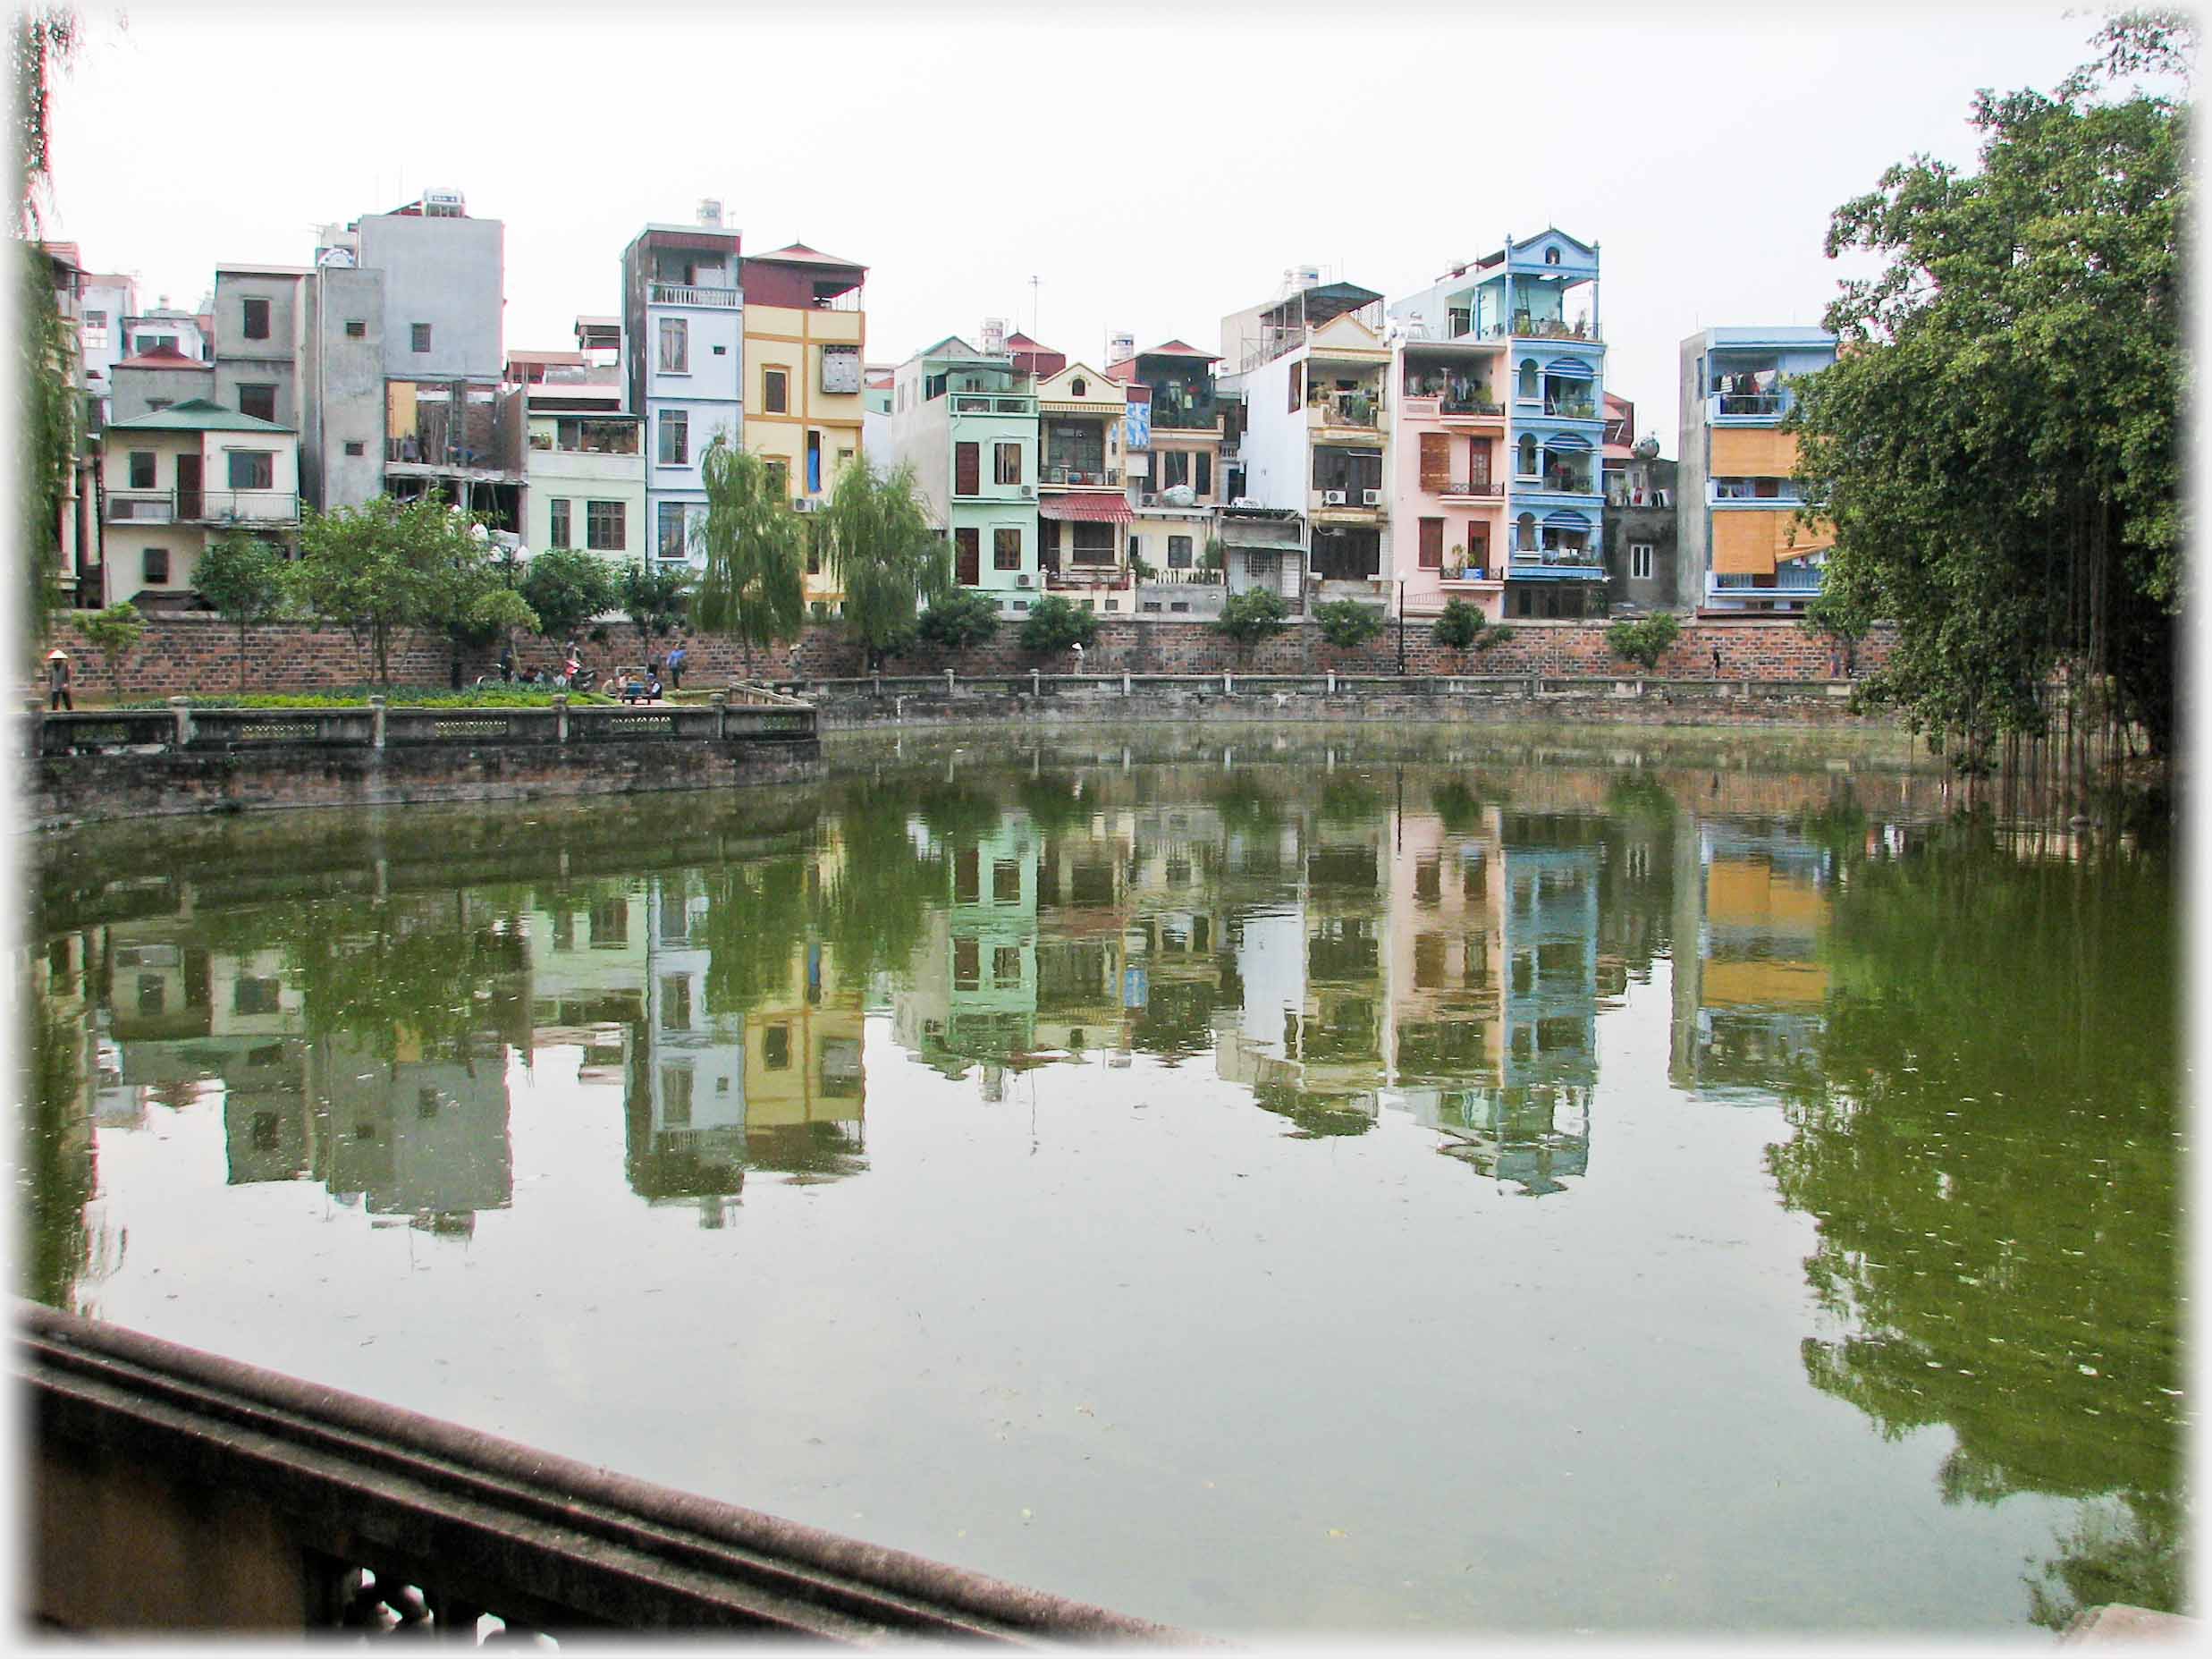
(1647, 447)
(1178, 496)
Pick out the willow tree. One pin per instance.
(1998, 443)
(752, 589)
(878, 545)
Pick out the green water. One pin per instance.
(1406, 1184)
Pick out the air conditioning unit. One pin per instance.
(1371, 498)
(808, 503)
(1332, 498)
(1022, 580)
(1029, 491)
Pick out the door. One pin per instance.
(968, 558)
(1479, 461)
(189, 503)
(967, 468)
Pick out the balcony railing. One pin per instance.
(1347, 409)
(1185, 576)
(1087, 476)
(680, 293)
(1799, 578)
(203, 506)
(1757, 404)
(1527, 327)
(1075, 574)
(1196, 417)
(1571, 408)
(1574, 558)
(1471, 406)
(1567, 484)
(993, 404)
(1491, 488)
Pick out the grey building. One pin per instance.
(257, 328)
(341, 442)
(1640, 533)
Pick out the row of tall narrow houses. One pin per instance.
(1456, 443)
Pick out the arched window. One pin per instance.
(1529, 386)
(1079, 388)
(1551, 256)
(1525, 533)
(1528, 455)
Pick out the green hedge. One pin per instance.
(399, 696)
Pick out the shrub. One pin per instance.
(1057, 623)
(1251, 616)
(1459, 624)
(961, 619)
(1348, 622)
(1645, 642)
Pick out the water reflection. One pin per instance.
(1969, 1034)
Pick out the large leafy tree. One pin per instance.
(652, 595)
(388, 565)
(1056, 625)
(1997, 446)
(243, 578)
(877, 542)
(752, 589)
(960, 620)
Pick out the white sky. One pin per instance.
(1156, 167)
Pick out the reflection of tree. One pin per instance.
(1314, 1115)
(58, 1175)
(1177, 1021)
(2005, 1263)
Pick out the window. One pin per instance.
(603, 530)
(1174, 468)
(558, 535)
(1527, 466)
(153, 568)
(776, 1047)
(1006, 965)
(142, 468)
(967, 964)
(254, 319)
(773, 397)
(1203, 481)
(1639, 561)
(356, 446)
(1092, 543)
(1732, 489)
(1179, 552)
(840, 369)
(95, 322)
(675, 346)
(675, 437)
(419, 336)
(153, 992)
(1006, 463)
(676, 1096)
(1080, 387)
(967, 557)
(1298, 386)
(1006, 549)
(259, 401)
(1432, 544)
(155, 404)
(255, 996)
(779, 477)
(966, 469)
(357, 328)
(1766, 488)
(670, 539)
(1006, 881)
(676, 1002)
(253, 469)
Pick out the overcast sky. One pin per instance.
(1155, 167)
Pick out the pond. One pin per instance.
(1288, 1179)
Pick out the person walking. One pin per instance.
(507, 663)
(57, 681)
(676, 667)
(1715, 662)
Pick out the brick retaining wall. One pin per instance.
(192, 653)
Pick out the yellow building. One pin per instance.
(805, 331)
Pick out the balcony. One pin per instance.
(205, 507)
(1478, 489)
(680, 293)
(1075, 577)
(1554, 558)
(1204, 417)
(1797, 579)
(1186, 576)
(1081, 477)
(1361, 410)
(1748, 408)
(1527, 327)
(993, 404)
(1559, 481)
(1571, 408)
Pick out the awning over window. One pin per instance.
(1086, 508)
(1572, 368)
(1565, 519)
(1566, 440)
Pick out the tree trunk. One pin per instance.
(242, 659)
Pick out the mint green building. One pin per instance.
(967, 421)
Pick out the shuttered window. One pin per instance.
(966, 469)
(1436, 464)
(1432, 544)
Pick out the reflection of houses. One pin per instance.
(1086, 990)
(423, 1135)
(1750, 985)
(1548, 917)
(973, 992)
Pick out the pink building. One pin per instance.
(1448, 516)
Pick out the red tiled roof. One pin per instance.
(1176, 348)
(1086, 508)
(799, 253)
(163, 357)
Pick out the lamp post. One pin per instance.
(1401, 626)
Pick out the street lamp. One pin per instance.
(1401, 626)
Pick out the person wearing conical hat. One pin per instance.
(57, 681)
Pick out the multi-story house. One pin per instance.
(1537, 298)
(180, 478)
(1083, 507)
(158, 377)
(1640, 533)
(259, 326)
(586, 466)
(104, 301)
(967, 421)
(1740, 548)
(188, 332)
(1176, 476)
(1315, 436)
(806, 327)
(1447, 432)
(683, 365)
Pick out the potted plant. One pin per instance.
(1455, 563)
